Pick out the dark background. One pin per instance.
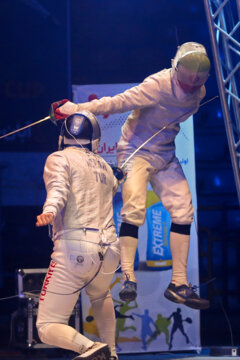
(47, 46)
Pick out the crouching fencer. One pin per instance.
(160, 103)
(80, 186)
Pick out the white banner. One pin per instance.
(152, 323)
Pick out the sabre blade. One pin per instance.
(25, 127)
(164, 127)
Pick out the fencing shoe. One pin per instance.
(129, 291)
(186, 295)
(98, 351)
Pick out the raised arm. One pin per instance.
(143, 95)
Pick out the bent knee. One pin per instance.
(42, 329)
(182, 214)
(134, 216)
(99, 297)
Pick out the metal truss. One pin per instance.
(223, 17)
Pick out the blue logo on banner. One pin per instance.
(158, 245)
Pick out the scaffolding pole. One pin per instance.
(224, 28)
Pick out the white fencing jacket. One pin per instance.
(156, 102)
(80, 186)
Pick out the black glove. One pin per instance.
(118, 173)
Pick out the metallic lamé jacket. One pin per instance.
(80, 186)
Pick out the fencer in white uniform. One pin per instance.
(162, 101)
(80, 186)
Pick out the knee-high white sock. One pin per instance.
(179, 245)
(104, 316)
(64, 336)
(128, 246)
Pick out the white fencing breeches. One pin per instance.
(170, 185)
(168, 182)
(65, 275)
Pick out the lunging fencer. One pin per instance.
(162, 101)
(80, 186)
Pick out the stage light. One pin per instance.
(217, 181)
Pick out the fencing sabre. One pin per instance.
(25, 127)
(48, 117)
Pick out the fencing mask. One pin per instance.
(191, 66)
(81, 129)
